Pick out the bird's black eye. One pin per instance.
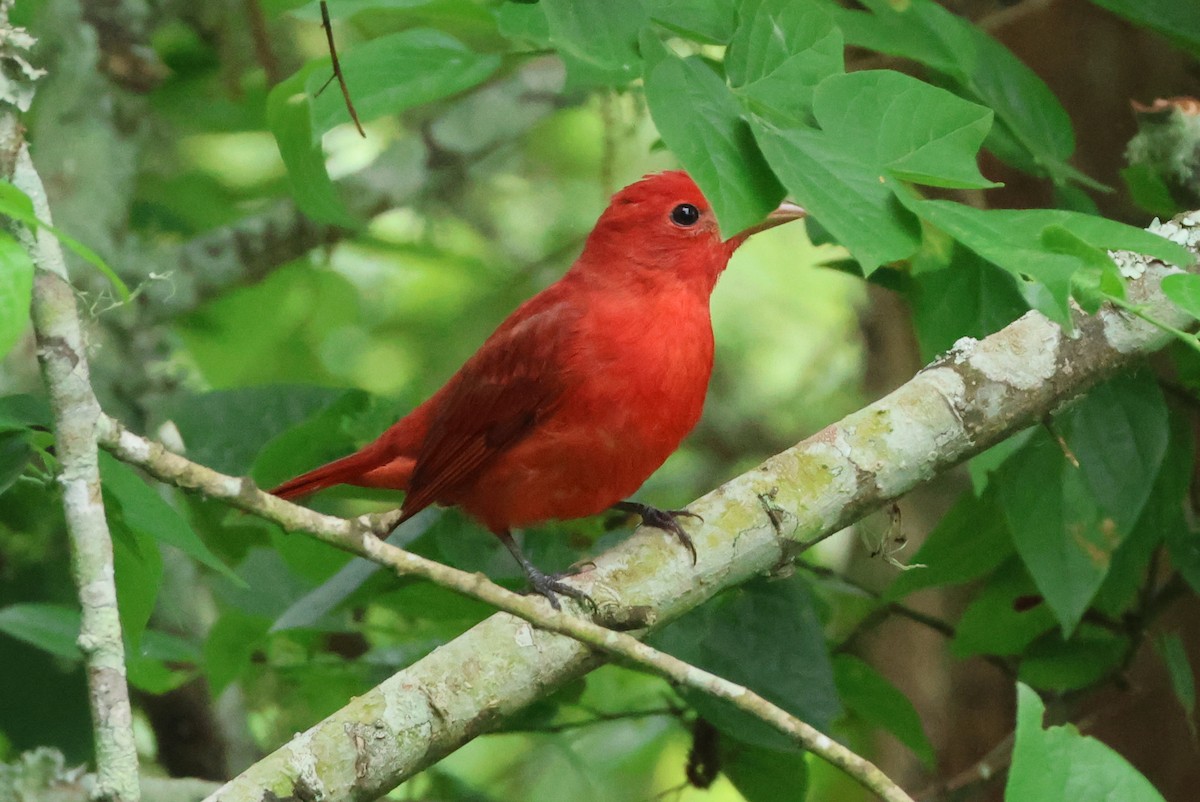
(685, 215)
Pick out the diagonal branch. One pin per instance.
(973, 397)
(358, 537)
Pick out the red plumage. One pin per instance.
(584, 390)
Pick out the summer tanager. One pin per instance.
(581, 393)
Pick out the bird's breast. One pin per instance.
(635, 375)
(645, 367)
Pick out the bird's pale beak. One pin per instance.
(785, 213)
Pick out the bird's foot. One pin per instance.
(548, 585)
(666, 520)
(551, 586)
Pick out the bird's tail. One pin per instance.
(346, 471)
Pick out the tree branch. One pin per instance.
(63, 358)
(359, 536)
(968, 400)
(62, 355)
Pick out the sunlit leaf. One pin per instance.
(1059, 763)
(396, 72)
(779, 52)
(701, 121)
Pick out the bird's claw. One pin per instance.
(666, 520)
(550, 586)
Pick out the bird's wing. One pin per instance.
(513, 382)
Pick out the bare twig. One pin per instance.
(337, 69)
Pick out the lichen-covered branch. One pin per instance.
(63, 358)
(62, 355)
(970, 399)
(43, 775)
(360, 537)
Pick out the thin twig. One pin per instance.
(337, 69)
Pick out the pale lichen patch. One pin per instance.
(1127, 334)
(1024, 361)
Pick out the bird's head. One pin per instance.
(664, 223)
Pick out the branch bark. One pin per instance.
(62, 356)
(968, 400)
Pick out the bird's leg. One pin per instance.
(665, 520)
(547, 585)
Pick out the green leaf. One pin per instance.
(1183, 680)
(765, 775)
(138, 567)
(1119, 434)
(1060, 764)
(604, 35)
(16, 290)
(15, 452)
(1179, 22)
(1052, 663)
(290, 120)
(969, 298)
(145, 512)
(1097, 279)
(1000, 619)
(153, 667)
(231, 644)
(970, 541)
(1162, 518)
(849, 197)
(227, 428)
(706, 20)
(321, 438)
(914, 131)
(701, 123)
(868, 695)
(777, 624)
(524, 23)
(983, 465)
(780, 51)
(1062, 534)
(396, 72)
(1033, 131)
(17, 205)
(1149, 190)
(1013, 240)
(1168, 511)
(877, 128)
(22, 411)
(1184, 291)
(49, 627)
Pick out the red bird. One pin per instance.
(581, 393)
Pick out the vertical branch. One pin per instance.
(63, 360)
